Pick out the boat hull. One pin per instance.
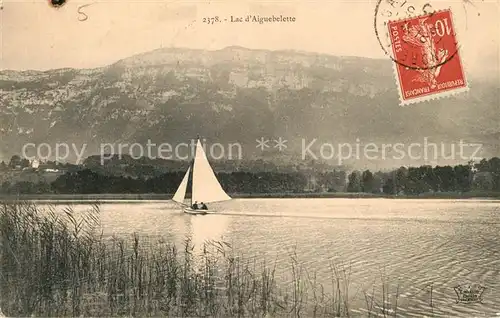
(197, 212)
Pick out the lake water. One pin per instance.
(413, 243)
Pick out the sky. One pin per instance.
(36, 36)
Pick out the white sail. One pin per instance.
(206, 187)
(180, 194)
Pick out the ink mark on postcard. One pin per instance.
(57, 3)
(386, 10)
(401, 11)
(426, 55)
(82, 15)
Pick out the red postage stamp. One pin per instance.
(426, 57)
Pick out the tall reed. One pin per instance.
(59, 264)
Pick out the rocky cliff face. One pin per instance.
(234, 95)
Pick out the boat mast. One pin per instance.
(191, 164)
(192, 168)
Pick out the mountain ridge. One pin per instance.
(234, 94)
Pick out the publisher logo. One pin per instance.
(469, 293)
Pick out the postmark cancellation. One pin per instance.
(427, 62)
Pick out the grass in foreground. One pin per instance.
(54, 264)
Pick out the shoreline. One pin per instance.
(304, 195)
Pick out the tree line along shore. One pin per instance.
(141, 179)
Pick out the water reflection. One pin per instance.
(412, 244)
(202, 229)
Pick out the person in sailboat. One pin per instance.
(195, 205)
(204, 206)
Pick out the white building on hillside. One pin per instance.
(35, 163)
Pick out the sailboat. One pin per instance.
(205, 186)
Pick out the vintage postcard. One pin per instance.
(251, 158)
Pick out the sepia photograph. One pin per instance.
(257, 158)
